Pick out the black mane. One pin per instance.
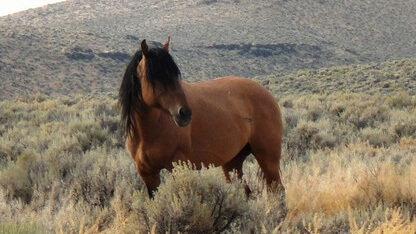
(161, 71)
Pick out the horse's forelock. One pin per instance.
(161, 69)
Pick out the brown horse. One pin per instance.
(218, 122)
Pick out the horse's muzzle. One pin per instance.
(184, 117)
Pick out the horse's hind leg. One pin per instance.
(266, 148)
(267, 151)
(237, 164)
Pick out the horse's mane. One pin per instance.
(161, 70)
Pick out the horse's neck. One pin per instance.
(149, 124)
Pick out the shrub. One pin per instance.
(377, 136)
(401, 100)
(16, 178)
(366, 114)
(403, 123)
(348, 164)
(196, 202)
(29, 227)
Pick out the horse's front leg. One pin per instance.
(151, 179)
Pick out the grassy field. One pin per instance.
(348, 166)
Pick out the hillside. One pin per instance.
(371, 78)
(83, 46)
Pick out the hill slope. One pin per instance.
(372, 78)
(83, 46)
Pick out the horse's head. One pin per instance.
(160, 83)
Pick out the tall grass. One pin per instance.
(348, 166)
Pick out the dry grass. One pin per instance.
(348, 166)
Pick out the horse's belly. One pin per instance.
(215, 142)
(203, 157)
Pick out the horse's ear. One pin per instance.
(166, 45)
(145, 48)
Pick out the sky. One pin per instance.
(12, 6)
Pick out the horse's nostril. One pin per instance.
(184, 111)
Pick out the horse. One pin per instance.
(218, 122)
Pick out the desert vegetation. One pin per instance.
(370, 78)
(349, 145)
(348, 166)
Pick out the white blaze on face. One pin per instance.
(12, 6)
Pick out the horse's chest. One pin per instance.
(157, 154)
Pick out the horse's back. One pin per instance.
(239, 93)
(233, 85)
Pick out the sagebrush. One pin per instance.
(348, 166)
